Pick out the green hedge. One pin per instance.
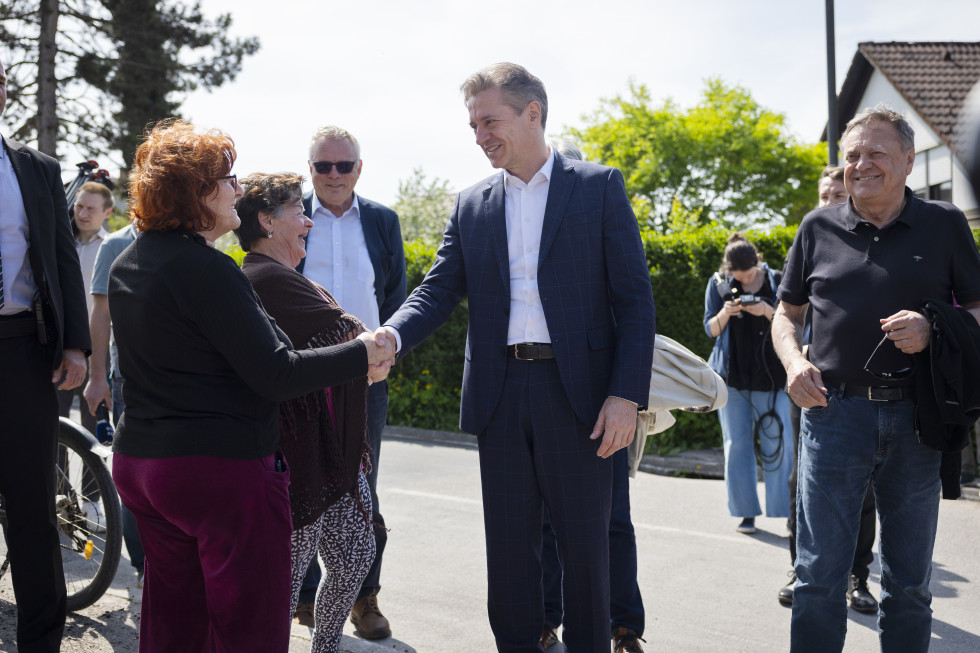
(425, 385)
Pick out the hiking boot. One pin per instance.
(304, 614)
(368, 620)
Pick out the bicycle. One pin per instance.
(90, 551)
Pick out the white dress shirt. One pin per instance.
(15, 240)
(524, 206)
(337, 258)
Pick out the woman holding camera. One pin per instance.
(739, 303)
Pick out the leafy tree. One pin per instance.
(95, 73)
(423, 207)
(727, 160)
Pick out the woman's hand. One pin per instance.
(732, 307)
(760, 309)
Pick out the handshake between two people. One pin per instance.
(380, 347)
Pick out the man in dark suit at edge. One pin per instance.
(558, 353)
(356, 252)
(38, 270)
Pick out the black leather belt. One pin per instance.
(531, 351)
(15, 326)
(879, 394)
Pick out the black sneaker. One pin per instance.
(747, 526)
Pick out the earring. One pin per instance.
(269, 235)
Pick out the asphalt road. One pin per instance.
(706, 587)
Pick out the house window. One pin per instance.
(942, 192)
(932, 174)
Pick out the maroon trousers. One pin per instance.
(216, 535)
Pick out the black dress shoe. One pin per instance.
(859, 597)
(786, 591)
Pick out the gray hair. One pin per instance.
(567, 149)
(334, 133)
(519, 87)
(883, 113)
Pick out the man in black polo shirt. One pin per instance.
(865, 267)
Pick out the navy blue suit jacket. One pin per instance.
(52, 254)
(383, 235)
(592, 279)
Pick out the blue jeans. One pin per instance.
(843, 447)
(377, 416)
(131, 534)
(739, 417)
(625, 602)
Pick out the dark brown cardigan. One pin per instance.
(324, 462)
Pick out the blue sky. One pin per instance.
(389, 71)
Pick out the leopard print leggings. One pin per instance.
(346, 545)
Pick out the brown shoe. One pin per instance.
(368, 620)
(304, 614)
(626, 641)
(549, 637)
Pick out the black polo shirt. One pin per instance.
(853, 274)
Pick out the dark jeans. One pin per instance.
(843, 447)
(377, 416)
(625, 602)
(863, 556)
(131, 534)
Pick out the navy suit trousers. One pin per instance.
(626, 607)
(536, 453)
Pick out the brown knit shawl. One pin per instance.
(323, 462)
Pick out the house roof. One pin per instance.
(934, 78)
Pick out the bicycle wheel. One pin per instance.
(90, 551)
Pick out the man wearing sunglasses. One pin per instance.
(865, 267)
(355, 251)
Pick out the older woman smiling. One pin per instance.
(323, 433)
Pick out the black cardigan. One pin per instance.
(947, 387)
(205, 366)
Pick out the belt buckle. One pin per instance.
(517, 353)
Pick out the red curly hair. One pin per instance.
(174, 170)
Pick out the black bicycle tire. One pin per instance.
(102, 579)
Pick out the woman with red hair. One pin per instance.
(196, 451)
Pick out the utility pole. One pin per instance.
(832, 127)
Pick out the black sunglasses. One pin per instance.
(234, 179)
(343, 167)
(903, 373)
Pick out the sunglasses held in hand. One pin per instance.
(903, 373)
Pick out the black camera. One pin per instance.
(749, 300)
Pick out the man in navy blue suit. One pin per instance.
(558, 353)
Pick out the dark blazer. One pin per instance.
(52, 253)
(383, 235)
(592, 278)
